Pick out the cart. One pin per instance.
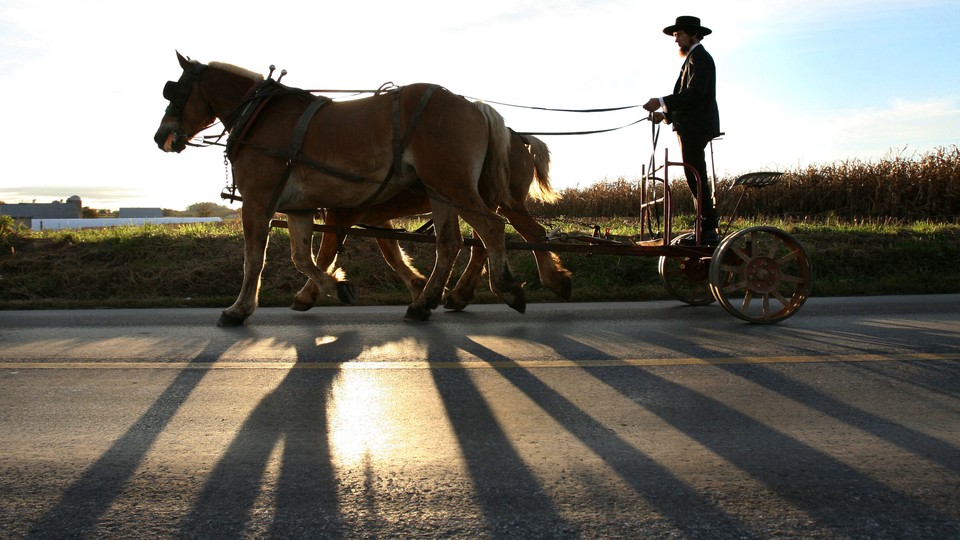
(759, 274)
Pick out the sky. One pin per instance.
(800, 82)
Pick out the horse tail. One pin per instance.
(541, 190)
(495, 178)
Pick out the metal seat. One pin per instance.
(758, 179)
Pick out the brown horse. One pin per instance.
(294, 152)
(529, 162)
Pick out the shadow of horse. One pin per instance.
(280, 475)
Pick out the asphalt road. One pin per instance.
(625, 420)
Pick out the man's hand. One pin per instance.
(657, 117)
(652, 105)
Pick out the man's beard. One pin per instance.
(684, 51)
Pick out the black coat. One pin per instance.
(692, 109)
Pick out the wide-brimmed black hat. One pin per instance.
(687, 22)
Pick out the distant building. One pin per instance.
(140, 213)
(25, 213)
(99, 223)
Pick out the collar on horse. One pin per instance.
(246, 114)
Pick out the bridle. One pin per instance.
(177, 93)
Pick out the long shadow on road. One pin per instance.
(684, 508)
(837, 496)
(306, 498)
(85, 501)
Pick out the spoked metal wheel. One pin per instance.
(686, 278)
(761, 275)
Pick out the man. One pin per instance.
(692, 110)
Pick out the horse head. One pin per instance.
(203, 94)
(188, 112)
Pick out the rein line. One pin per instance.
(214, 140)
(635, 122)
(247, 111)
(389, 85)
(535, 108)
(589, 132)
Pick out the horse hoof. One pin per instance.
(227, 320)
(300, 306)
(347, 293)
(564, 289)
(416, 314)
(454, 304)
(517, 300)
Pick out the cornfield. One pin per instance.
(906, 189)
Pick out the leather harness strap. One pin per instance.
(296, 143)
(263, 93)
(240, 121)
(400, 143)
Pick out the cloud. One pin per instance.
(922, 125)
(50, 193)
(780, 137)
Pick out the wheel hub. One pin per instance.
(695, 269)
(762, 275)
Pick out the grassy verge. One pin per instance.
(201, 265)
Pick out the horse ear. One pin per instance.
(184, 61)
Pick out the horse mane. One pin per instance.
(230, 68)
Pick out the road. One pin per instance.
(613, 420)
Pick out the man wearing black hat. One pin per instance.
(692, 110)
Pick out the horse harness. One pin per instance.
(247, 113)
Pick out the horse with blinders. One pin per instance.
(294, 152)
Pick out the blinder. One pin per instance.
(171, 90)
(177, 92)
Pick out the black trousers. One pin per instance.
(693, 151)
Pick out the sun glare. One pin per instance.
(360, 419)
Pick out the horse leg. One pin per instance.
(407, 203)
(308, 295)
(552, 273)
(392, 253)
(256, 235)
(488, 225)
(449, 242)
(395, 257)
(462, 293)
(301, 251)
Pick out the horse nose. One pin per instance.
(161, 137)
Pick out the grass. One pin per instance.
(201, 265)
(891, 227)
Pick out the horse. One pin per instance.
(294, 152)
(529, 162)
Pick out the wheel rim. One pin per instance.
(761, 275)
(686, 278)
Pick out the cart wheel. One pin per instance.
(761, 275)
(686, 278)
